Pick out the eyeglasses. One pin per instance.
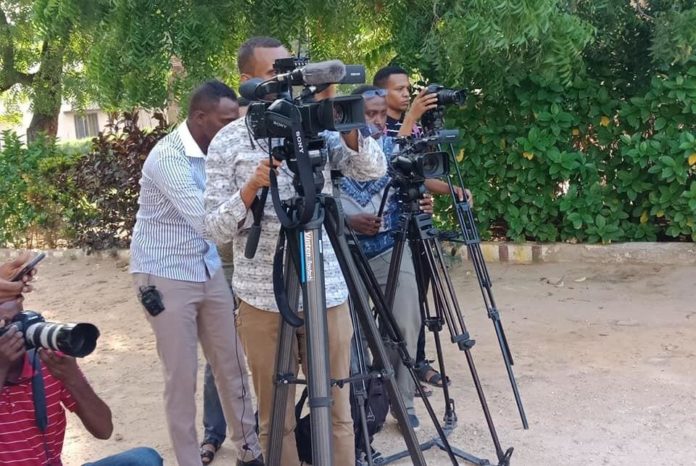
(374, 93)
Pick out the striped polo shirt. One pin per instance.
(168, 237)
(21, 441)
(394, 126)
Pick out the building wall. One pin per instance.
(67, 130)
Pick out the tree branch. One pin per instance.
(10, 76)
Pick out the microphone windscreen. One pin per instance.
(248, 88)
(323, 72)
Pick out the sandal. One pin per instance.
(208, 455)
(427, 391)
(429, 375)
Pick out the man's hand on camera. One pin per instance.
(365, 224)
(11, 346)
(61, 366)
(262, 176)
(426, 203)
(421, 104)
(260, 179)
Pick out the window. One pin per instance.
(86, 125)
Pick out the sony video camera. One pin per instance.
(78, 340)
(273, 111)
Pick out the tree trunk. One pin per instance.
(47, 91)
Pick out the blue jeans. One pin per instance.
(214, 425)
(141, 456)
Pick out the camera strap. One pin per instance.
(281, 293)
(305, 175)
(38, 391)
(257, 207)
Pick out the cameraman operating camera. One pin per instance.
(402, 119)
(236, 169)
(35, 389)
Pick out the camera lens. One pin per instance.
(434, 164)
(339, 114)
(430, 165)
(450, 96)
(77, 340)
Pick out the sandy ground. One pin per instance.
(604, 358)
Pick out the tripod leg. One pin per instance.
(381, 362)
(470, 234)
(433, 321)
(473, 243)
(442, 288)
(316, 331)
(359, 389)
(285, 366)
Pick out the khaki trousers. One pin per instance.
(259, 331)
(406, 312)
(201, 312)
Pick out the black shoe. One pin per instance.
(255, 462)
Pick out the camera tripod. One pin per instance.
(417, 229)
(472, 240)
(302, 249)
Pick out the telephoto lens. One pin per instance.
(78, 340)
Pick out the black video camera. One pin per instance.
(421, 158)
(77, 340)
(432, 119)
(273, 110)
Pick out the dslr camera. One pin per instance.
(78, 340)
(432, 119)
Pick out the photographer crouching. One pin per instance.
(237, 168)
(38, 384)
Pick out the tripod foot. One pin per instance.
(505, 460)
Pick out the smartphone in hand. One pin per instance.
(28, 267)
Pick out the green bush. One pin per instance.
(576, 164)
(59, 194)
(582, 119)
(108, 179)
(38, 200)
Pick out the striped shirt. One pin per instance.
(232, 159)
(168, 237)
(21, 441)
(393, 126)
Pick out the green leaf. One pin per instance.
(600, 221)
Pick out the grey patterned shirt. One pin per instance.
(230, 163)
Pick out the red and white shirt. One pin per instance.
(21, 441)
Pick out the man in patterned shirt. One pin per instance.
(237, 168)
(170, 253)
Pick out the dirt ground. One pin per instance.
(605, 359)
